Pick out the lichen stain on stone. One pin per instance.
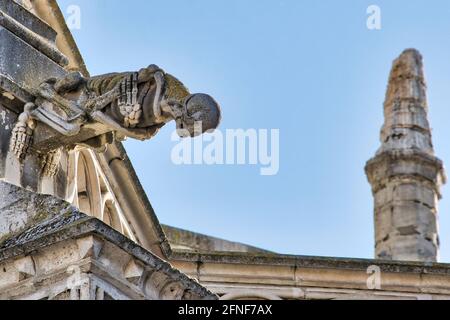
(3, 116)
(4, 238)
(39, 217)
(175, 89)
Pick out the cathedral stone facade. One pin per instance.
(75, 222)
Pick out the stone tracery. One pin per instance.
(92, 194)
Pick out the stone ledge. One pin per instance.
(75, 225)
(17, 56)
(33, 39)
(313, 262)
(27, 19)
(21, 209)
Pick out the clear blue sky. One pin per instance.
(309, 68)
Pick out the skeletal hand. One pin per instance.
(128, 101)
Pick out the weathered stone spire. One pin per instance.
(405, 174)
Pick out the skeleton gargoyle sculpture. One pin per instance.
(131, 104)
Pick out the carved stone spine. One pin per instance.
(405, 175)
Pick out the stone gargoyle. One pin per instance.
(130, 104)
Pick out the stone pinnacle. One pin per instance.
(404, 174)
(406, 123)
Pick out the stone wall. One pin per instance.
(28, 56)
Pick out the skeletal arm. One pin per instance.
(140, 134)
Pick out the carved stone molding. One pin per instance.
(73, 256)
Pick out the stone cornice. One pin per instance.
(390, 163)
(305, 277)
(313, 262)
(32, 38)
(73, 228)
